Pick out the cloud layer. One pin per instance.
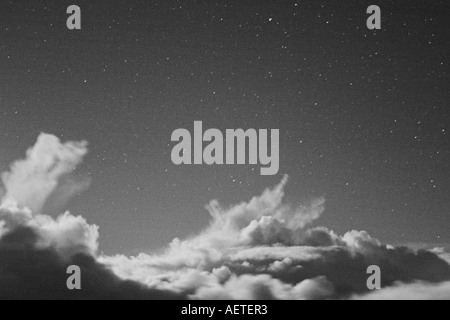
(263, 249)
(36, 249)
(260, 249)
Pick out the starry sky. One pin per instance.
(363, 115)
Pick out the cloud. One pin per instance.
(261, 249)
(36, 249)
(442, 253)
(32, 180)
(31, 272)
(65, 234)
(265, 287)
(412, 291)
(268, 251)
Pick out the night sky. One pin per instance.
(363, 115)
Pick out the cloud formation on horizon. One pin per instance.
(36, 249)
(260, 249)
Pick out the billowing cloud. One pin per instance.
(264, 249)
(36, 249)
(261, 249)
(32, 180)
(412, 291)
(66, 234)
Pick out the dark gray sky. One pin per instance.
(363, 115)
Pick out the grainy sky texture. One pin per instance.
(363, 115)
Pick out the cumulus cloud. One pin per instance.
(261, 249)
(36, 249)
(31, 272)
(265, 287)
(32, 180)
(265, 248)
(66, 234)
(412, 291)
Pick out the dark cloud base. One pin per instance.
(256, 250)
(28, 273)
(347, 270)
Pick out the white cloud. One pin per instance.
(28, 186)
(413, 291)
(263, 249)
(32, 180)
(260, 249)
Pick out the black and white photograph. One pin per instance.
(224, 150)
